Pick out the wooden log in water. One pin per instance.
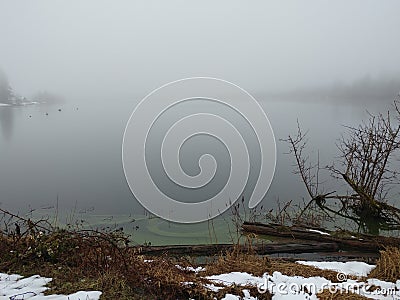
(262, 249)
(365, 243)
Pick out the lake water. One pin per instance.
(70, 161)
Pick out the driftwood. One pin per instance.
(360, 242)
(262, 249)
(287, 240)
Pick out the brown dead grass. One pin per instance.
(98, 261)
(388, 265)
(95, 260)
(238, 260)
(92, 260)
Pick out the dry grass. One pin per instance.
(92, 260)
(239, 260)
(242, 261)
(388, 265)
(79, 259)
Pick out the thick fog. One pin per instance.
(92, 61)
(102, 49)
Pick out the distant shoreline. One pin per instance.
(18, 104)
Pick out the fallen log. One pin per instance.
(261, 249)
(365, 243)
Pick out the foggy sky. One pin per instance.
(96, 48)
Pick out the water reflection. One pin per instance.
(7, 121)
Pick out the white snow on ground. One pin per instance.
(246, 295)
(293, 287)
(16, 287)
(237, 278)
(355, 268)
(190, 269)
(282, 287)
(4, 104)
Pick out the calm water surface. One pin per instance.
(70, 161)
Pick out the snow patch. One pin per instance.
(355, 268)
(284, 287)
(16, 287)
(190, 269)
(318, 231)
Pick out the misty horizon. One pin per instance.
(94, 49)
(323, 63)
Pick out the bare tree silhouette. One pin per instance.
(367, 166)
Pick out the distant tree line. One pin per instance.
(8, 96)
(5, 89)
